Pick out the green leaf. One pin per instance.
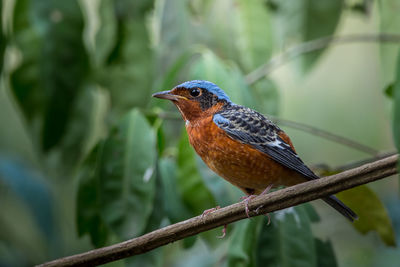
(288, 240)
(371, 212)
(305, 20)
(87, 125)
(88, 204)
(2, 40)
(130, 62)
(123, 179)
(25, 79)
(227, 76)
(389, 90)
(64, 62)
(396, 108)
(325, 253)
(242, 246)
(173, 203)
(196, 196)
(266, 97)
(254, 38)
(389, 23)
(105, 37)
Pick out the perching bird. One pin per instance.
(240, 144)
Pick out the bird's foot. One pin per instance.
(225, 225)
(223, 232)
(265, 214)
(209, 211)
(246, 200)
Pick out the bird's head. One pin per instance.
(196, 99)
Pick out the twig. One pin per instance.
(273, 201)
(325, 134)
(315, 45)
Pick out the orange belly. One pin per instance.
(238, 163)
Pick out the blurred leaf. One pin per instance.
(311, 213)
(228, 77)
(305, 20)
(149, 259)
(254, 37)
(389, 90)
(173, 204)
(396, 108)
(129, 69)
(26, 183)
(389, 23)
(25, 80)
(371, 212)
(266, 97)
(242, 246)
(88, 204)
(288, 240)
(325, 253)
(106, 35)
(87, 125)
(64, 62)
(196, 196)
(171, 33)
(123, 178)
(3, 40)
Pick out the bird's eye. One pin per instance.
(195, 92)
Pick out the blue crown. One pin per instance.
(209, 86)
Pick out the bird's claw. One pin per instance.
(223, 232)
(246, 200)
(209, 211)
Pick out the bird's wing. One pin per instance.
(252, 128)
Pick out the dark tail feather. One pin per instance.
(338, 205)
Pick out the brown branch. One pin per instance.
(273, 201)
(315, 45)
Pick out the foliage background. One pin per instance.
(88, 158)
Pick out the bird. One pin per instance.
(240, 144)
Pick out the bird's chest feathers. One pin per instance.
(203, 135)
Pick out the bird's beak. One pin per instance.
(168, 95)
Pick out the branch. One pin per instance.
(315, 45)
(270, 202)
(325, 134)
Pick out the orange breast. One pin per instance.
(238, 163)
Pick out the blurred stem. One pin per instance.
(326, 135)
(315, 45)
(259, 205)
(294, 125)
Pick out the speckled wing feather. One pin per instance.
(252, 128)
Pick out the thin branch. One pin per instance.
(273, 201)
(315, 45)
(294, 125)
(325, 134)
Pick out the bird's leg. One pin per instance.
(225, 225)
(223, 232)
(246, 200)
(266, 190)
(209, 211)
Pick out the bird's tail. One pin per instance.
(338, 205)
